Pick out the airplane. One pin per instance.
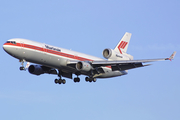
(64, 63)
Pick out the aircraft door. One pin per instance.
(44, 57)
(22, 45)
(22, 51)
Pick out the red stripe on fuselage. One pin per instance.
(51, 51)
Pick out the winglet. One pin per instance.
(172, 56)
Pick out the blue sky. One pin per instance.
(91, 26)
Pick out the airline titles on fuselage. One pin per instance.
(52, 48)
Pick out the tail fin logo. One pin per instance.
(122, 45)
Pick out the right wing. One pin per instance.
(122, 64)
(128, 64)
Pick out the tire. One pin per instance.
(64, 81)
(87, 79)
(59, 81)
(56, 81)
(94, 80)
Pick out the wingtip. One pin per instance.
(172, 56)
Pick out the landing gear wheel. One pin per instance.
(59, 81)
(22, 68)
(94, 80)
(63, 81)
(77, 79)
(91, 79)
(56, 81)
(87, 79)
(74, 79)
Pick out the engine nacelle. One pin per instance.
(36, 69)
(83, 66)
(113, 55)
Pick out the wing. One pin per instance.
(122, 64)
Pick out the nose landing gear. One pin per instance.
(22, 65)
(22, 68)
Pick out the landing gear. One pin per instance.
(90, 79)
(77, 79)
(63, 81)
(22, 63)
(22, 68)
(59, 81)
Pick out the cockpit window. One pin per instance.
(13, 42)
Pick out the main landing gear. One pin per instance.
(63, 81)
(90, 79)
(59, 81)
(77, 79)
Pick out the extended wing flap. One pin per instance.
(126, 66)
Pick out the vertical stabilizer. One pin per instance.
(123, 43)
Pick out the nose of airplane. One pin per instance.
(4, 47)
(7, 48)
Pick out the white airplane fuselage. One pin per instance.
(53, 57)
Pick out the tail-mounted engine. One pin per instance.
(38, 70)
(113, 55)
(83, 66)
